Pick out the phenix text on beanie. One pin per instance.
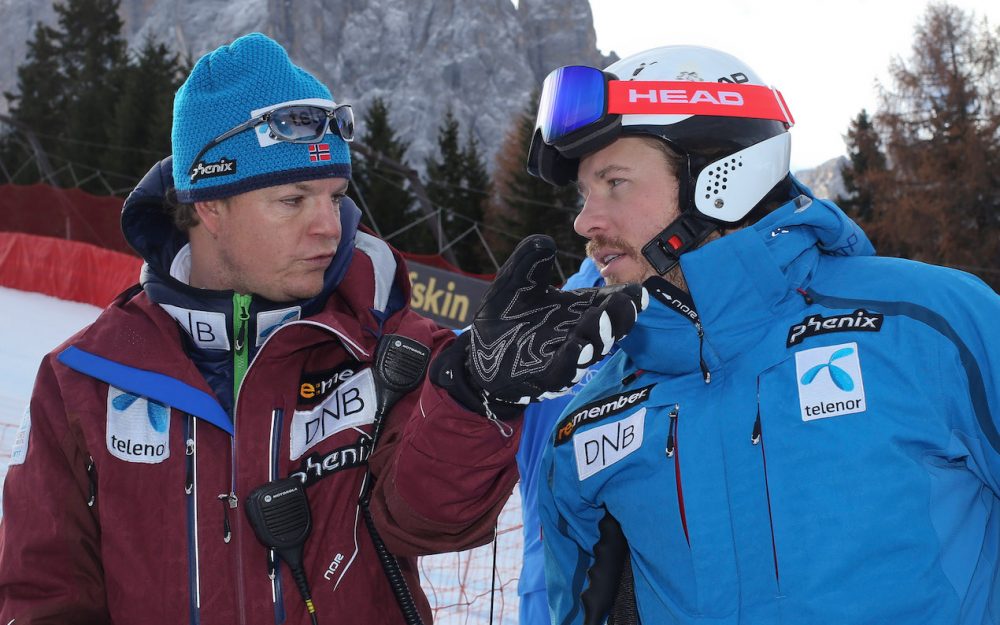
(228, 87)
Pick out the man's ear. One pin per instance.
(210, 214)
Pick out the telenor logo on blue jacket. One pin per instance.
(829, 381)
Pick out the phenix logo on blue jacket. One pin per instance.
(842, 466)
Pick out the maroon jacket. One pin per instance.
(120, 509)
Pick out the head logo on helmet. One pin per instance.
(732, 132)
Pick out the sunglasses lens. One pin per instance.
(298, 124)
(572, 97)
(343, 116)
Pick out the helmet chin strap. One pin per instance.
(682, 235)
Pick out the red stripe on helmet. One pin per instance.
(634, 97)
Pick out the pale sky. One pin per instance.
(823, 55)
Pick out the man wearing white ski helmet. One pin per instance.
(872, 384)
(726, 129)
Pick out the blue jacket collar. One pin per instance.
(740, 281)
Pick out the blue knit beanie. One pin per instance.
(226, 88)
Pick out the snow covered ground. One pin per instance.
(458, 584)
(31, 325)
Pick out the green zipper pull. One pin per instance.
(241, 352)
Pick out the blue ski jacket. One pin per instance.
(538, 421)
(818, 444)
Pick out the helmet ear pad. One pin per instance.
(706, 141)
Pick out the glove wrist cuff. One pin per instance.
(449, 371)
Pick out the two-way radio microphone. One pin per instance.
(400, 365)
(279, 514)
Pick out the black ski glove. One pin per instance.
(530, 341)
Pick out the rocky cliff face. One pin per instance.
(481, 58)
(826, 179)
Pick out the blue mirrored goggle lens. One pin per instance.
(572, 97)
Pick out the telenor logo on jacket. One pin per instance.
(858, 321)
(138, 428)
(829, 381)
(349, 405)
(271, 320)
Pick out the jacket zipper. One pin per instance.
(191, 491)
(757, 439)
(241, 357)
(241, 317)
(228, 502)
(705, 373)
(91, 482)
(273, 571)
(673, 452)
(231, 502)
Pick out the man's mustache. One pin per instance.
(600, 242)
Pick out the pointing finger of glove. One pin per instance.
(529, 265)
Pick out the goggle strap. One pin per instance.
(633, 97)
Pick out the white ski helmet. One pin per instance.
(730, 127)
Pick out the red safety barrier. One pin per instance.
(69, 270)
(63, 213)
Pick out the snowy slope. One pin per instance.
(31, 325)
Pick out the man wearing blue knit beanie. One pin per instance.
(262, 431)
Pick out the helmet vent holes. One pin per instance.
(719, 178)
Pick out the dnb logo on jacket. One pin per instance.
(829, 381)
(138, 428)
(600, 447)
(858, 321)
(349, 404)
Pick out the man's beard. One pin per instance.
(674, 276)
(625, 249)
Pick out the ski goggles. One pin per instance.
(581, 105)
(293, 123)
